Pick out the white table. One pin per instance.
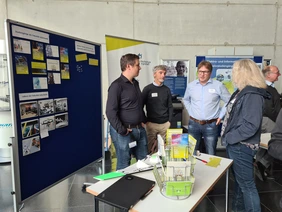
(205, 178)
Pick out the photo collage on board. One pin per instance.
(42, 116)
(45, 65)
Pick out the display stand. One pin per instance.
(176, 180)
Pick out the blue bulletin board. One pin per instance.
(56, 105)
(222, 67)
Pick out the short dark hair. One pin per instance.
(128, 59)
(179, 62)
(205, 63)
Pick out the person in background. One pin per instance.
(202, 101)
(272, 108)
(158, 101)
(241, 131)
(124, 110)
(181, 68)
(275, 143)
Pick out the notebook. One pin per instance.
(126, 192)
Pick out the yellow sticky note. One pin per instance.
(214, 162)
(93, 62)
(38, 65)
(81, 57)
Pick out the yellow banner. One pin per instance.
(114, 43)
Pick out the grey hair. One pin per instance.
(159, 67)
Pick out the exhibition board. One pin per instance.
(56, 105)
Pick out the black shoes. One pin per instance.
(260, 171)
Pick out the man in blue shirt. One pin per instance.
(202, 101)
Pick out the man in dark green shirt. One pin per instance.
(157, 99)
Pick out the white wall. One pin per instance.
(183, 28)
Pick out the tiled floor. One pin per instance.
(68, 196)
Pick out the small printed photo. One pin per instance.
(28, 109)
(39, 83)
(62, 120)
(39, 71)
(177, 68)
(61, 105)
(21, 64)
(64, 55)
(47, 123)
(223, 75)
(54, 78)
(38, 68)
(65, 71)
(31, 145)
(21, 46)
(51, 78)
(52, 51)
(53, 65)
(46, 107)
(30, 128)
(37, 51)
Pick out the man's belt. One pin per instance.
(203, 122)
(130, 126)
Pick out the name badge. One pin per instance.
(132, 144)
(211, 90)
(154, 94)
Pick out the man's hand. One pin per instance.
(143, 125)
(218, 121)
(128, 131)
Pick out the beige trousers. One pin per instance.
(153, 129)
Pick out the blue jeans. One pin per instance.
(246, 196)
(123, 151)
(208, 131)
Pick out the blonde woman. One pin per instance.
(241, 131)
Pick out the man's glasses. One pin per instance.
(277, 73)
(203, 72)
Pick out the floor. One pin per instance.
(68, 195)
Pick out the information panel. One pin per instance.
(56, 105)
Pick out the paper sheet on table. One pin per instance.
(141, 165)
(214, 162)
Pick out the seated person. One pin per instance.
(274, 146)
(275, 143)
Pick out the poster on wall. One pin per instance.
(222, 67)
(148, 56)
(177, 76)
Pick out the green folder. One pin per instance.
(178, 188)
(109, 176)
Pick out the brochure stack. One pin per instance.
(175, 178)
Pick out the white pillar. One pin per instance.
(5, 116)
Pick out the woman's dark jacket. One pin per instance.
(244, 123)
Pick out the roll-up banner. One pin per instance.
(148, 54)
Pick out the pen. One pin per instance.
(202, 160)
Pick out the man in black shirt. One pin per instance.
(125, 113)
(157, 98)
(271, 111)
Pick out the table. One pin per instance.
(205, 178)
